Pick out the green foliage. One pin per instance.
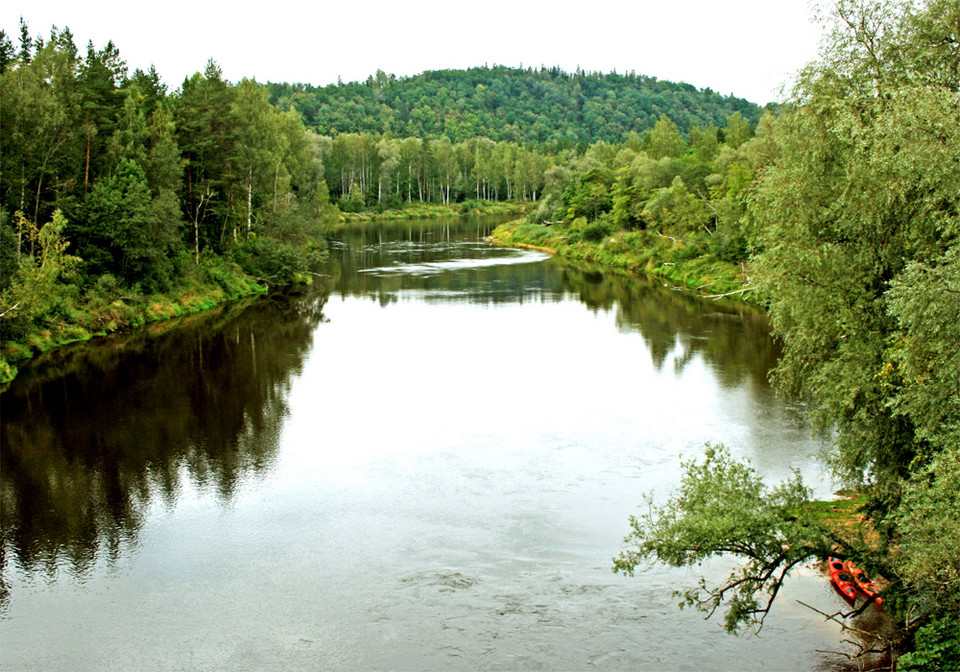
(138, 231)
(665, 139)
(863, 187)
(508, 104)
(859, 220)
(738, 130)
(353, 201)
(682, 264)
(924, 363)
(142, 177)
(936, 648)
(9, 252)
(269, 260)
(723, 507)
(928, 523)
(675, 209)
(589, 195)
(7, 371)
(35, 290)
(531, 234)
(228, 276)
(595, 232)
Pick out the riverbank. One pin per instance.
(108, 308)
(679, 263)
(436, 211)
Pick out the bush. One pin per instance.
(596, 232)
(469, 206)
(534, 232)
(353, 202)
(267, 259)
(936, 648)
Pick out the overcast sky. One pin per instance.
(745, 47)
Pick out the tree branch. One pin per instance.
(739, 291)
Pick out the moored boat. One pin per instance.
(841, 579)
(864, 583)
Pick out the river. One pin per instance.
(427, 462)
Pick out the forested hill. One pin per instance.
(512, 104)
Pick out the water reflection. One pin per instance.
(92, 437)
(441, 262)
(733, 338)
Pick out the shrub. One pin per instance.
(269, 260)
(596, 232)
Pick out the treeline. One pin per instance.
(112, 186)
(378, 171)
(545, 106)
(367, 170)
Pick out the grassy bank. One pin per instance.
(437, 210)
(107, 308)
(682, 263)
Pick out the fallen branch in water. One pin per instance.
(739, 291)
(862, 648)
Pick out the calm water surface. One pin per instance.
(427, 465)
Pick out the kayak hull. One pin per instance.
(841, 579)
(864, 583)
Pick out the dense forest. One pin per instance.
(544, 107)
(839, 211)
(114, 189)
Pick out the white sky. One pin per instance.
(745, 47)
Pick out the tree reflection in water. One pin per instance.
(92, 436)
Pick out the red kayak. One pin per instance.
(841, 579)
(863, 582)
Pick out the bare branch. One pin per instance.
(13, 307)
(739, 291)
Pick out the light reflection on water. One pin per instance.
(430, 469)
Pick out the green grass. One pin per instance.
(843, 511)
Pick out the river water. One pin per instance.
(426, 463)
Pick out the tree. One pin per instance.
(100, 76)
(705, 143)
(7, 52)
(859, 228)
(40, 129)
(675, 209)
(589, 194)
(253, 138)
(738, 130)
(138, 233)
(388, 151)
(665, 139)
(36, 288)
(723, 507)
(444, 165)
(203, 122)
